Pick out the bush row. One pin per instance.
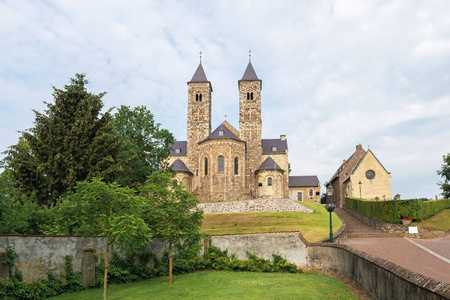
(129, 269)
(394, 210)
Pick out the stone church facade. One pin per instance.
(362, 175)
(227, 164)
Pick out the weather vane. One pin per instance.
(226, 117)
(200, 55)
(249, 54)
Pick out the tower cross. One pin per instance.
(226, 117)
(200, 53)
(249, 54)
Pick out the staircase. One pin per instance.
(357, 229)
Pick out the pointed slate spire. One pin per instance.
(199, 75)
(249, 73)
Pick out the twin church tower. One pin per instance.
(227, 164)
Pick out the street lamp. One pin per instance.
(330, 208)
(360, 184)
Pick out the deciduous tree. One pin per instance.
(172, 214)
(147, 144)
(108, 210)
(444, 172)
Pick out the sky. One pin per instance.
(335, 73)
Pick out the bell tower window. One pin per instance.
(198, 97)
(250, 96)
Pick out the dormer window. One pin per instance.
(274, 149)
(220, 132)
(178, 151)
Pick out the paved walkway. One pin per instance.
(427, 257)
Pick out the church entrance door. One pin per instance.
(300, 196)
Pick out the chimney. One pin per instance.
(283, 137)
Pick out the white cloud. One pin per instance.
(334, 74)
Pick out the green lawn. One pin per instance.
(314, 227)
(226, 285)
(440, 221)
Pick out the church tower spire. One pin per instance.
(250, 123)
(199, 113)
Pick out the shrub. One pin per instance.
(393, 211)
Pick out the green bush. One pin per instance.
(393, 211)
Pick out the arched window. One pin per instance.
(236, 166)
(220, 163)
(251, 96)
(311, 193)
(269, 181)
(248, 96)
(206, 166)
(198, 97)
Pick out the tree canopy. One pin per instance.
(172, 213)
(146, 144)
(70, 142)
(108, 210)
(444, 172)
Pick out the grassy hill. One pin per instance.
(314, 227)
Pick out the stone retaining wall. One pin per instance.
(257, 205)
(380, 278)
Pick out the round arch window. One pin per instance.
(370, 174)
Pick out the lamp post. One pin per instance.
(360, 184)
(330, 208)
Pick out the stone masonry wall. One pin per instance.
(257, 205)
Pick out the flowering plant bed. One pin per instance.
(406, 220)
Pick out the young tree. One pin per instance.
(72, 141)
(147, 145)
(445, 173)
(104, 209)
(173, 214)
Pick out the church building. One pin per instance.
(226, 164)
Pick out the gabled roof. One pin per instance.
(362, 158)
(267, 144)
(182, 145)
(179, 166)
(302, 181)
(227, 133)
(269, 164)
(199, 75)
(345, 163)
(249, 74)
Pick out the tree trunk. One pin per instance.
(170, 261)
(105, 279)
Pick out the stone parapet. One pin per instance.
(256, 205)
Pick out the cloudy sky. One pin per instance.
(335, 73)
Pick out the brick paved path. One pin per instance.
(399, 250)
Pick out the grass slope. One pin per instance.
(314, 227)
(227, 285)
(440, 221)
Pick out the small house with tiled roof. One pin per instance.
(304, 188)
(227, 164)
(362, 175)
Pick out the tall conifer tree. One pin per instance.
(72, 141)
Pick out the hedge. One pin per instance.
(393, 211)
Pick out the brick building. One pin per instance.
(227, 164)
